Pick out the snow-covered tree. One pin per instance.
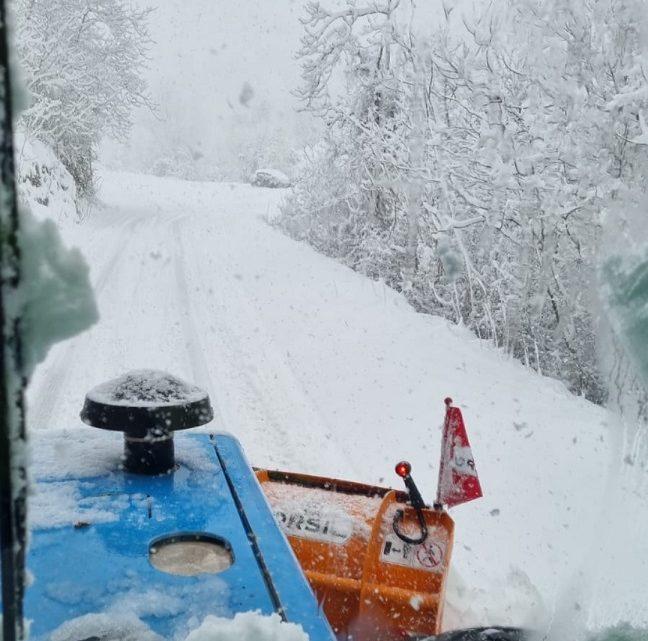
(355, 71)
(472, 172)
(83, 63)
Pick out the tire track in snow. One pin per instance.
(264, 388)
(193, 343)
(229, 367)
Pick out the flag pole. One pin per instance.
(458, 479)
(438, 504)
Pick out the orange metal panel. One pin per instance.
(404, 594)
(371, 585)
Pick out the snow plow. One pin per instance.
(169, 534)
(378, 564)
(377, 559)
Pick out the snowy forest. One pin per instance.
(473, 168)
(82, 79)
(329, 212)
(475, 172)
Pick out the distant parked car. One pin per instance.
(270, 178)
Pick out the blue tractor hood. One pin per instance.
(94, 538)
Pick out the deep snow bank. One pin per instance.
(44, 184)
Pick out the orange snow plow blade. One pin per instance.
(372, 585)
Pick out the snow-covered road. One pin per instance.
(172, 278)
(316, 368)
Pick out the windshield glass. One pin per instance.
(266, 251)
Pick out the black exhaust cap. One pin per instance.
(147, 406)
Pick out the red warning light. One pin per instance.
(403, 469)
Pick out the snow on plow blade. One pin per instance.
(372, 585)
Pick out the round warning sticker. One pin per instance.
(429, 555)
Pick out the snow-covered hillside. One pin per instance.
(316, 368)
(43, 182)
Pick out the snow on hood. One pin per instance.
(146, 388)
(247, 626)
(124, 627)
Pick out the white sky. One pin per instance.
(206, 49)
(203, 53)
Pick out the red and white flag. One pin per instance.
(458, 480)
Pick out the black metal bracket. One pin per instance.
(398, 518)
